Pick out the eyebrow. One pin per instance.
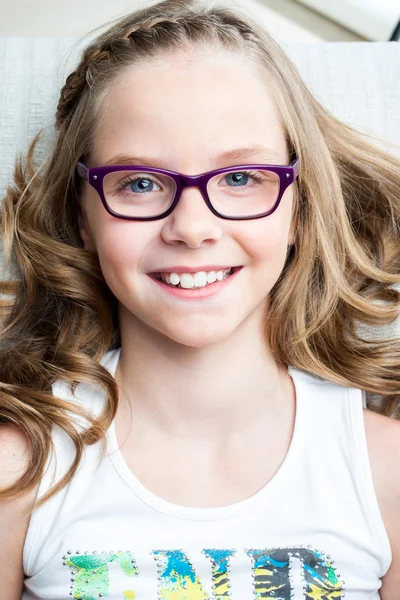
(262, 152)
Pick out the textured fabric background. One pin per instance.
(359, 82)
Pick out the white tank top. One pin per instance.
(314, 531)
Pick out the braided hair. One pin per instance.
(138, 33)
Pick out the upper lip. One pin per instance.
(206, 268)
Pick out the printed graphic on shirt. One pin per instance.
(178, 580)
(176, 574)
(272, 574)
(90, 577)
(220, 572)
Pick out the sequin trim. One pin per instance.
(90, 577)
(272, 574)
(177, 578)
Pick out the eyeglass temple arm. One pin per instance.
(296, 166)
(82, 170)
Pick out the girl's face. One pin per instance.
(183, 113)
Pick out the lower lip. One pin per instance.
(198, 294)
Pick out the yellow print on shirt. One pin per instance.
(177, 578)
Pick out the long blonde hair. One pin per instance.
(59, 316)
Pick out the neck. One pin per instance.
(222, 389)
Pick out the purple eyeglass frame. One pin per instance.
(95, 176)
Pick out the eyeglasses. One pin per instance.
(141, 193)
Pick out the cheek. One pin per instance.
(116, 241)
(121, 246)
(269, 238)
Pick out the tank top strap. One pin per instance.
(337, 450)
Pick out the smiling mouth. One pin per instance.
(193, 280)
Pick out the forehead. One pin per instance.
(186, 107)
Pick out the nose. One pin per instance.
(191, 222)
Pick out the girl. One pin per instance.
(181, 359)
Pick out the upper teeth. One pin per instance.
(190, 280)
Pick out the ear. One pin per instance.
(293, 224)
(292, 235)
(84, 231)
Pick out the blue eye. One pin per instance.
(141, 185)
(238, 178)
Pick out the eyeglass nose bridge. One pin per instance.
(193, 181)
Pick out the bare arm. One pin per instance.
(14, 457)
(383, 437)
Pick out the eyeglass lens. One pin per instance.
(236, 193)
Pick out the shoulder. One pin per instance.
(15, 456)
(383, 441)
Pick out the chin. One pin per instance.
(197, 338)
